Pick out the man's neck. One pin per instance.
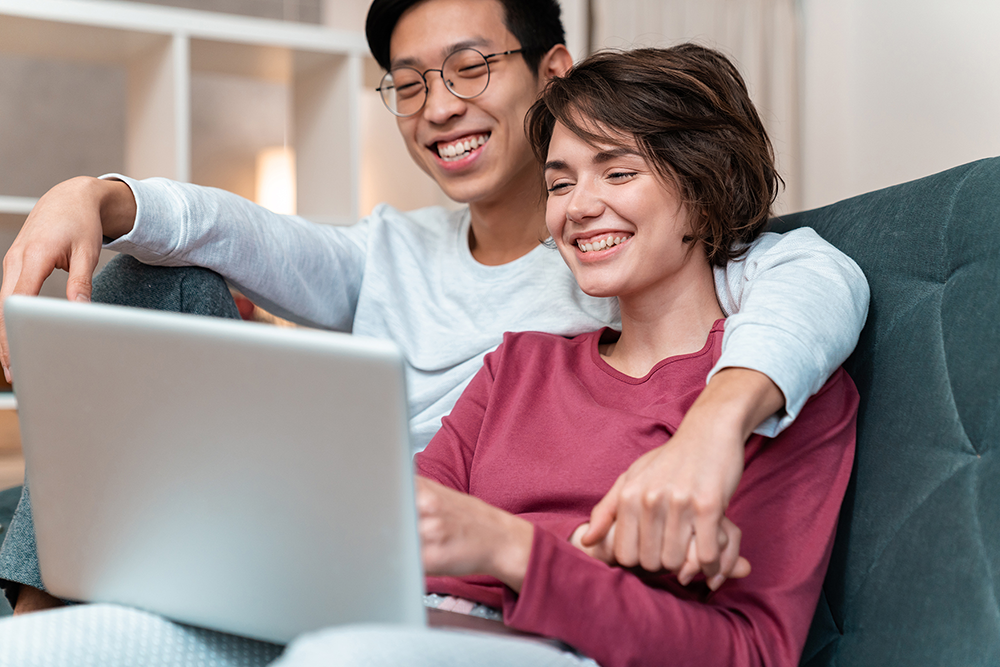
(507, 227)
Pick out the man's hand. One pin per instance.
(668, 508)
(461, 535)
(64, 231)
(730, 561)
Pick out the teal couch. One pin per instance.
(916, 565)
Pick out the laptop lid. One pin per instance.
(241, 477)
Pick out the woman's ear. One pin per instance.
(555, 63)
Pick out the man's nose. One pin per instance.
(441, 104)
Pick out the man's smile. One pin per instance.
(453, 150)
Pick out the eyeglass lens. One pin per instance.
(465, 72)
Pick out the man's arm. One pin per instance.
(801, 305)
(64, 231)
(676, 495)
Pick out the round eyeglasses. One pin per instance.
(465, 73)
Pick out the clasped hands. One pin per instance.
(666, 512)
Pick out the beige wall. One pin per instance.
(891, 90)
(896, 89)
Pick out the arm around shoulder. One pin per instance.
(798, 306)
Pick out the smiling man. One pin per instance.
(445, 286)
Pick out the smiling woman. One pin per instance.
(688, 118)
(647, 189)
(657, 168)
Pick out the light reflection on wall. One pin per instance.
(276, 179)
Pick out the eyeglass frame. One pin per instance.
(440, 70)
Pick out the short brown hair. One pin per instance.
(690, 114)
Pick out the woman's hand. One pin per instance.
(461, 535)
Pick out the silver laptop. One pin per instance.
(240, 477)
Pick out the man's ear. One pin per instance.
(555, 63)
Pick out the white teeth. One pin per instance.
(459, 149)
(602, 244)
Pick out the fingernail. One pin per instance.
(6, 373)
(716, 581)
(83, 298)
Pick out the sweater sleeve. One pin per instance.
(797, 306)
(787, 505)
(447, 459)
(299, 270)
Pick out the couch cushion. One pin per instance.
(913, 579)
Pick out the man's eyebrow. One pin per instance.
(474, 43)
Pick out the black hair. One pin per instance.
(536, 24)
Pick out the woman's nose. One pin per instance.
(584, 203)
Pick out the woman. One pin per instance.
(657, 168)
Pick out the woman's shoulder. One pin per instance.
(530, 340)
(523, 345)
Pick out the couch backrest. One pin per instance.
(916, 566)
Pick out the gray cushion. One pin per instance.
(913, 579)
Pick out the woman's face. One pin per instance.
(617, 224)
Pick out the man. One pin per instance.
(445, 286)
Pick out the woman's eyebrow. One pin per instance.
(605, 156)
(554, 165)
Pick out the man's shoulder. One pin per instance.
(434, 220)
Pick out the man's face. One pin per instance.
(498, 161)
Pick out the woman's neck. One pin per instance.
(668, 319)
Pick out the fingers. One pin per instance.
(626, 542)
(711, 538)
(691, 565)
(667, 521)
(81, 275)
(602, 517)
(731, 564)
(22, 275)
(11, 271)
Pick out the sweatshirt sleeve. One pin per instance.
(796, 308)
(447, 459)
(787, 505)
(302, 271)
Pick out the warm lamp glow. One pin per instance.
(276, 179)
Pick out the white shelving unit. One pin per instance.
(161, 47)
(17, 205)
